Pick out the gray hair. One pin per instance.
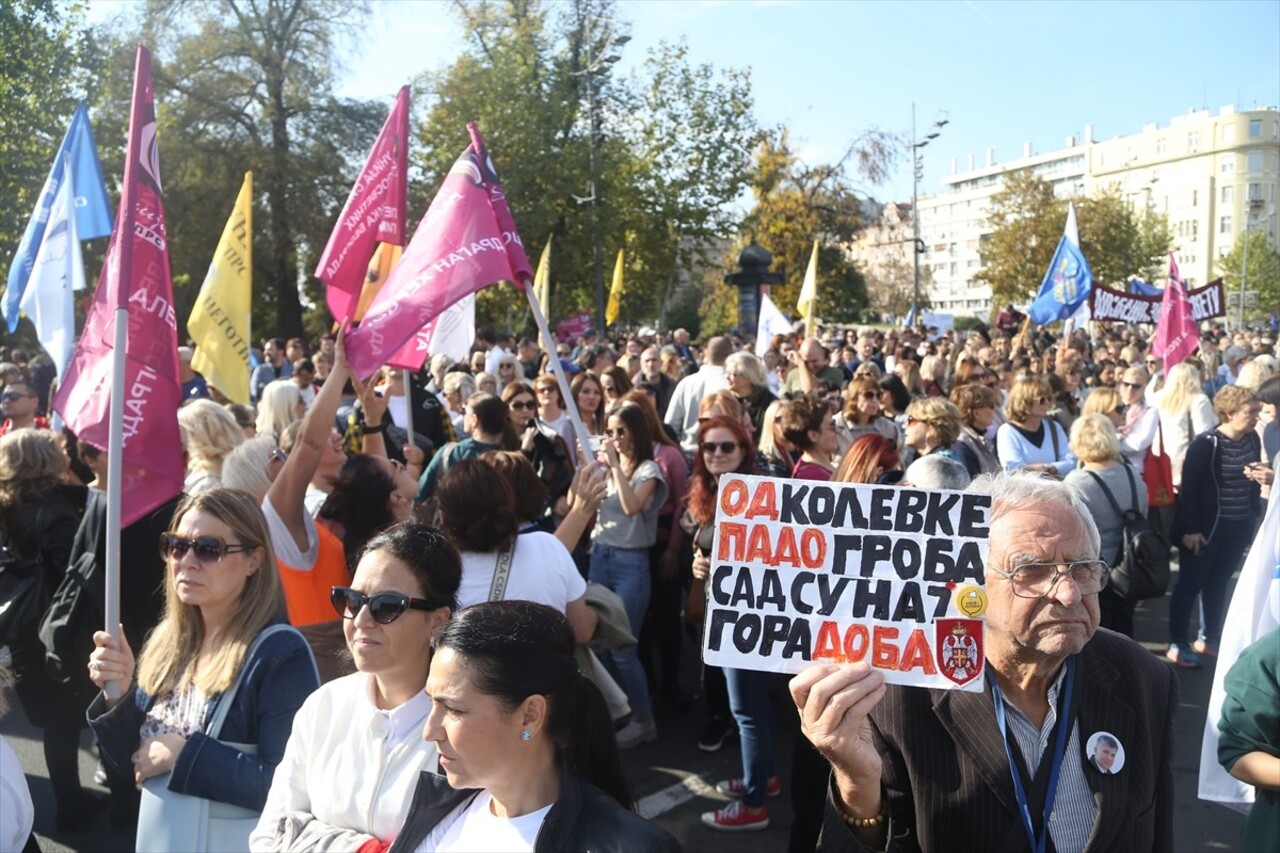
(245, 467)
(460, 382)
(1020, 490)
(936, 471)
(748, 365)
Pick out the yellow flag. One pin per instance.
(542, 280)
(615, 293)
(219, 322)
(808, 300)
(385, 257)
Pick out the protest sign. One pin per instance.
(805, 572)
(1206, 303)
(573, 327)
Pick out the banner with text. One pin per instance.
(805, 572)
(1206, 303)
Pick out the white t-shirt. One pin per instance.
(541, 571)
(473, 828)
(16, 811)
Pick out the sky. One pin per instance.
(1000, 73)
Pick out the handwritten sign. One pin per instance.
(1107, 304)
(805, 572)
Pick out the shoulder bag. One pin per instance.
(170, 821)
(1157, 472)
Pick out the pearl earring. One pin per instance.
(526, 735)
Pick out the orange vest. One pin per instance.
(306, 592)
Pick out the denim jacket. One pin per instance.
(276, 682)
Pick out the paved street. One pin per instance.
(673, 779)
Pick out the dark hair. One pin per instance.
(490, 412)
(529, 491)
(516, 649)
(702, 483)
(806, 414)
(621, 381)
(304, 364)
(358, 501)
(897, 390)
(428, 554)
(657, 434)
(1269, 390)
(632, 417)
(477, 507)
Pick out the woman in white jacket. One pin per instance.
(1185, 412)
(356, 750)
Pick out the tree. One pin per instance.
(891, 284)
(1262, 274)
(1027, 222)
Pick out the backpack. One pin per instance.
(1141, 570)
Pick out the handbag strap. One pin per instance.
(501, 572)
(1133, 487)
(1050, 425)
(1111, 499)
(228, 697)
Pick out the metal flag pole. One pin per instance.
(408, 404)
(115, 467)
(570, 406)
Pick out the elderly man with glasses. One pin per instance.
(1008, 768)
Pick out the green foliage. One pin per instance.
(1027, 222)
(1262, 273)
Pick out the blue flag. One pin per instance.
(1068, 282)
(1142, 288)
(93, 208)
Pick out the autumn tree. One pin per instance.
(1262, 273)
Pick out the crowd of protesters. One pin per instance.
(357, 537)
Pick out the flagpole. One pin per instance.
(566, 395)
(115, 468)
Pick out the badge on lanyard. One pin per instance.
(1106, 753)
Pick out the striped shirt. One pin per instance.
(1074, 811)
(1235, 490)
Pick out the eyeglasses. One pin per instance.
(506, 367)
(1036, 580)
(615, 433)
(208, 549)
(1131, 384)
(279, 456)
(1042, 400)
(871, 395)
(725, 447)
(384, 607)
(523, 404)
(13, 396)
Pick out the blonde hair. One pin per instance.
(170, 652)
(1101, 401)
(909, 372)
(1181, 388)
(32, 462)
(1023, 393)
(278, 407)
(765, 440)
(1094, 438)
(209, 432)
(1253, 374)
(941, 418)
(245, 468)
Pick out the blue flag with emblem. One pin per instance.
(1137, 285)
(93, 208)
(1069, 281)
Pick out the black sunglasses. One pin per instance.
(384, 607)
(208, 549)
(725, 447)
(13, 396)
(615, 433)
(523, 405)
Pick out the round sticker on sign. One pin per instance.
(1105, 752)
(972, 601)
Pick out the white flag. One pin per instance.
(772, 322)
(57, 271)
(1254, 612)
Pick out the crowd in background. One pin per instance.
(336, 491)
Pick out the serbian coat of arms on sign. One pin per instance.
(959, 645)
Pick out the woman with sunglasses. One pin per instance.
(1109, 403)
(615, 383)
(551, 410)
(1031, 440)
(524, 742)
(339, 786)
(222, 592)
(863, 414)
(588, 396)
(546, 451)
(978, 406)
(626, 528)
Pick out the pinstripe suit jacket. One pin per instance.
(947, 778)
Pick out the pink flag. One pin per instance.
(467, 241)
(1176, 335)
(374, 213)
(135, 276)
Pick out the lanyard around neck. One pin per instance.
(1062, 727)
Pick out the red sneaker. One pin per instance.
(735, 788)
(737, 817)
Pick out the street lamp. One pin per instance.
(917, 172)
(597, 63)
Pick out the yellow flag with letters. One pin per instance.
(219, 322)
(542, 280)
(808, 301)
(615, 293)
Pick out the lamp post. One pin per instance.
(917, 170)
(598, 62)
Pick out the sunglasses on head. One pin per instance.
(384, 607)
(208, 549)
(725, 447)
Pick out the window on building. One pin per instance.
(1228, 165)
(1228, 194)
(1255, 161)
(1255, 128)
(1193, 140)
(1195, 198)
(1228, 133)
(1195, 230)
(1255, 191)
(1161, 145)
(1224, 225)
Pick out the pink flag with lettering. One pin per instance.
(135, 276)
(467, 241)
(374, 213)
(1177, 335)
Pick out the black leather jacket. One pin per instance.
(583, 818)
